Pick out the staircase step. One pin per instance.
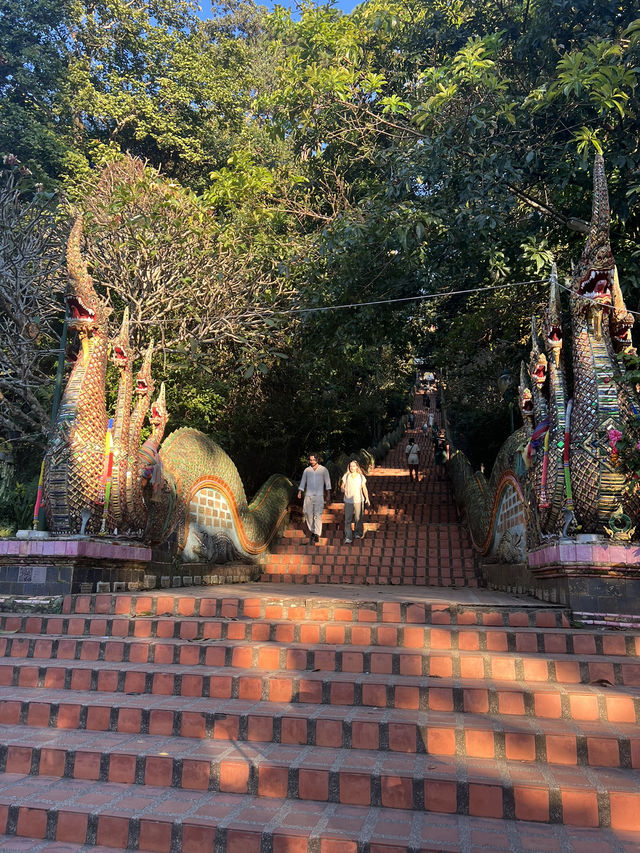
(425, 784)
(193, 822)
(438, 657)
(26, 641)
(469, 609)
(489, 736)
(355, 777)
(383, 690)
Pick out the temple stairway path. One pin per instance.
(405, 713)
(413, 534)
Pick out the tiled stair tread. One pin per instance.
(247, 668)
(265, 594)
(546, 699)
(206, 658)
(73, 624)
(14, 698)
(20, 844)
(420, 637)
(290, 658)
(96, 751)
(238, 823)
(160, 819)
(550, 743)
(370, 637)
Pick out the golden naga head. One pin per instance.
(552, 319)
(120, 347)
(538, 360)
(159, 412)
(87, 312)
(592, 280)
(621, 321)
(144, 380)
(525, 398)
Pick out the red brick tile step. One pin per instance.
(286, 769)
(413, 534)
(612, 743)
(163, 820)
(376, 720)
(51, 657)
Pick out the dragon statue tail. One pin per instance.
(204, 501)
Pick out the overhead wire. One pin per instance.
(316, 309)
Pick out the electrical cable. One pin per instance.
(419, 297)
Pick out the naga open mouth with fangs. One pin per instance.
(621, 333)
(120, 355)
(79, 313)
(526, 403)
(538, 370)
(597, 286)
(554, 343)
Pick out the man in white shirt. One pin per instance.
(314, 483)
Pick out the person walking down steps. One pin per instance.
(356, 497)
(314, 483)
(412, 451)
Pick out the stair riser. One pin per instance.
(331, 610)
(387, 637)
(407, 738)
(92, 640)
(441, 794)
(371, 580)
(436, 663)
(583, 706)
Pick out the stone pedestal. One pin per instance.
(598, 578)
(59, 565)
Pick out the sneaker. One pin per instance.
(349, 541)
(360, 535)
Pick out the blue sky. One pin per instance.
(345, 5)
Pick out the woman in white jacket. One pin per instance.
(354, 487)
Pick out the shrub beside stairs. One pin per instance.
(291, 718)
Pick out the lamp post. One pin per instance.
(505, 386)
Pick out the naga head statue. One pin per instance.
(538, 360)
(552, 319)
(592, 280)
(621, 321)
(120, 350)
(159, 414)
(525, 399)
(144, 380)
(88, 313)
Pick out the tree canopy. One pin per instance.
(285, 200)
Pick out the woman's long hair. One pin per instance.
(357, 464)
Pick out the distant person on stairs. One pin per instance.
(412, 451)
(356, 496)
(314, 483)
(441, 455)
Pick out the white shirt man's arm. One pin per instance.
(303, 483)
